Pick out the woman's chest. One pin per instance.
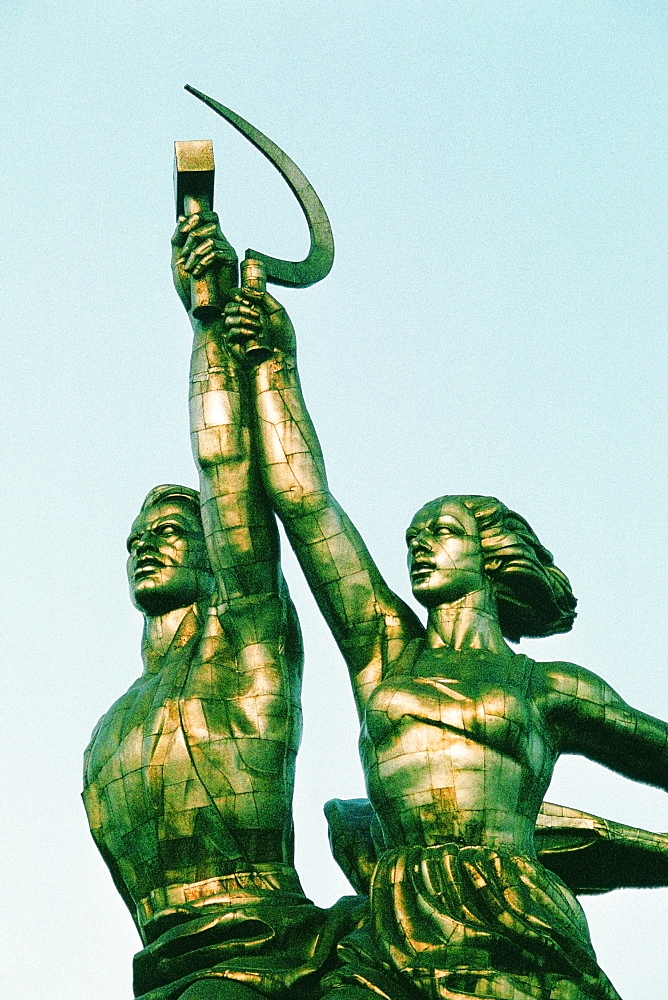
(482, 700)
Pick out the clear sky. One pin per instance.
(495, 174)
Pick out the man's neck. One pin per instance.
(159, 632)
(470, 623)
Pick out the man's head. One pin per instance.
(168, 567)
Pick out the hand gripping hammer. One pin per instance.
(193, 179)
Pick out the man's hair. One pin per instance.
(534, 598)
(183, 495)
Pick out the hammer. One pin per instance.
(193, 190)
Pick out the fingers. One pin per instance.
(201, 243)
(242, 319)
(244, 323)
(199, 253)
(209, 231)
(256, 325)
(236, 313)
(249, 296)
(245, 311)
(187, 223)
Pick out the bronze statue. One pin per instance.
(460, 734)
(188, 778)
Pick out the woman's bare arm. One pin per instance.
(369, 622)
(593, 720)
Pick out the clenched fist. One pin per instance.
(199, 246)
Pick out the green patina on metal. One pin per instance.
(318, 262)
(189, 777)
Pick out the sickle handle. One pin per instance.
(253, 273)
(318, 262)
(254, 277)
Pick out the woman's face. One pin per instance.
(445, 558)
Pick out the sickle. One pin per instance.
(318, 262)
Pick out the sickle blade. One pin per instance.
(318, 262)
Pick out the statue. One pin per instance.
(460, 734)
(188, 778)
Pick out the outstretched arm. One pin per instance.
(370, 623)
(593, 720)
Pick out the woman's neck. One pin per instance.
(472, 622)
(158, 635)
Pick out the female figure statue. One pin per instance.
(459, 733)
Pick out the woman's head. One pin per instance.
(456, 540)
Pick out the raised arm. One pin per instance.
(239, 524)
(593, 720)
(369, 622)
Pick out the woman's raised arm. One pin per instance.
(369, 622)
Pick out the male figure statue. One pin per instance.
(189, 776)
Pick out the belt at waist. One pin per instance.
(230, 890)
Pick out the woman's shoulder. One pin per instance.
(569, 683)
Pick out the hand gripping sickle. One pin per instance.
(193, 183)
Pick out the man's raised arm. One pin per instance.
(239, 524)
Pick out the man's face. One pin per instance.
(167, 562)
(445, 558)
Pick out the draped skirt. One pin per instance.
(458, 922)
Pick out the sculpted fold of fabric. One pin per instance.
(459, 922)
(272, 940)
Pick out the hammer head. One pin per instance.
(193, 176)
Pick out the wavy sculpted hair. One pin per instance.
(534, 598)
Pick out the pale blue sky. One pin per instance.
(495, 174)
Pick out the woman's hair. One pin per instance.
(183, 495)
(534, 598)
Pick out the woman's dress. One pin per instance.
(457, 920)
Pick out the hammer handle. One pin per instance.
(204, 298)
